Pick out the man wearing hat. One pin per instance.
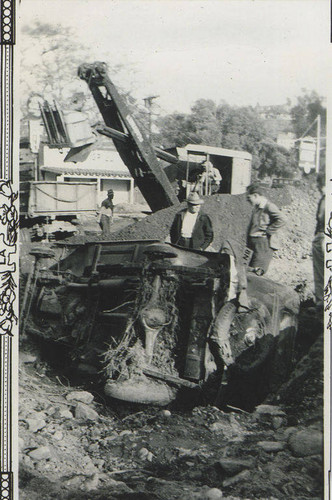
(105, 217)
(192, 228)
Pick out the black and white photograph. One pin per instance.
(165, 283)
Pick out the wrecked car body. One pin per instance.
(156, 321)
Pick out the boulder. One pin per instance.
(65, 413)
(58, 435)
(306, 442)
(35, 424)
(41, 453)
(269, 410)
(82, 396)
(242, 476)
(271, 446)
(213, 494)
(231, 466)
(84, 412)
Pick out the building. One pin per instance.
(103, 165)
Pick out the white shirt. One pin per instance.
(188, 223)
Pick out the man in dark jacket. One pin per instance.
(265, 221)
(192, 228)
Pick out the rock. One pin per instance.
(95, 433)
(306, 442)
(27, 358)
(92, 483)
(35, 424)
(93, 448)
(277, 422)
(113, 485)
(288, 432)
(82, 396)
(74, 482)
(165, 413)
(27, 460)
(271, 446)
(245, 474)
(233, 466)
(50, 410)
(58, 435)
(269, 410)
(65, 413)
(41, 453)
(84, 412)
(213, 494)
(145, 454)
(99, 462)
(90, 467)
(229, 427)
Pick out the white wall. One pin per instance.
(121, 188)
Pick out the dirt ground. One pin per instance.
(76, 444)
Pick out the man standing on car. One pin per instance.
(265, 221)
(192, 228)
(318, 246)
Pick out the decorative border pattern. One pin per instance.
(6, 485)
(7, 22)
(8, 249)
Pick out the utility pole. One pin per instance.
(148, 104)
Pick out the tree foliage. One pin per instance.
(224, 126)
(50, 69)
(309, 105)
(275, 160)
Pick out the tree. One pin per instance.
(50, 69)
(242, 129)
(308, 107)
(205, 121)
(176, 129)
(275, 160)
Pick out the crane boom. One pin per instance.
(137, 152)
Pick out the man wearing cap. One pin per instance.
(192, 228)
(105, 217)
(265, 221)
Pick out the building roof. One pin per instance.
(91, 172)
(198, 148)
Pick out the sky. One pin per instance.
(241, 51)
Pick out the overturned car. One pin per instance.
(156, 322)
